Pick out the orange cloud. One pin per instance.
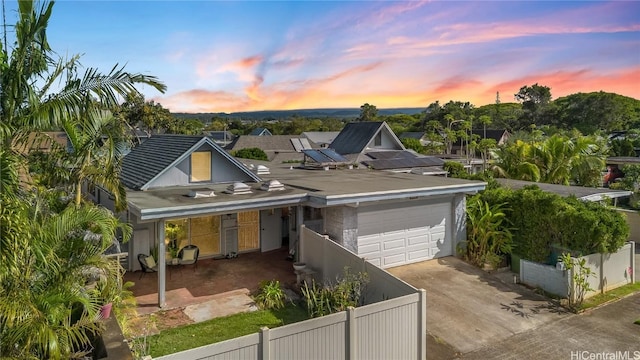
(248, 62)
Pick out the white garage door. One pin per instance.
(402, 233)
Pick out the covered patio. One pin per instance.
(212, 279)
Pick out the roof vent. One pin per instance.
(262, 170)
(272, 185)
(201, 193)
(238, 188)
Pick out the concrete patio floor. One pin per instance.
(222, 286)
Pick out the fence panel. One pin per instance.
(321, 338)
(388, 330)
(242, 348)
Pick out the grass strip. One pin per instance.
(219, 329)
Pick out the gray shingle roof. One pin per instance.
(412, 135)
(354, 137)
(267, 143)
(152, 157)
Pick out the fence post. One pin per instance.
(602, 284)
(422, 326)
(265, 342)
(632, 268)
(352, 333)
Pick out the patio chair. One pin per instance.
(189, 256)
(147, 264)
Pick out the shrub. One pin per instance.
(347, 291)
(271, 295)
(540, 219)
(454, 168)
(413, 144)
(251, 153)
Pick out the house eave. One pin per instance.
(219, 207)
(344, 199)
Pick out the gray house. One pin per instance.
(221, 206)
(374, 145)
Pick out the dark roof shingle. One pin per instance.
(354, 137)
(152, 157)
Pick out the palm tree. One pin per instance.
(46, 308)
(29, 72)
(516, 161)
(98, 142)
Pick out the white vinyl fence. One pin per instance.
(610, 271)
(392, 324)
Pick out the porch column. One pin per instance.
(162, 264)
(299, 222)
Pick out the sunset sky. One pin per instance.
(233, 56)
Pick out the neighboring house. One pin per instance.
(322, 138)
(500, 136)
(222, 138)
(390, 219)
(42, 142)
(418, 135)
(374, 145)
(580, 192)
(260, 132)
(278, 148)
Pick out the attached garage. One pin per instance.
(394, 234)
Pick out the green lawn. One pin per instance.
(191, 336)
(610, 295)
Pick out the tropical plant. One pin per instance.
(555, 160)
(29, 73)
(347, 291)
(488, 234)
(98, 142)
(270, 295)
(48, 259)
(579, 284)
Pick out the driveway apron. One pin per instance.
(470, 309)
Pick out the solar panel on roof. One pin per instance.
(333, 155)
(394, 154)
(297, 144)
(317, 156)
(305, 143)
(382, 164)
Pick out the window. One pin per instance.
(378, 139)
(201, 166)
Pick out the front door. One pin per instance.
(271, 229)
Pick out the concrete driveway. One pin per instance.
(470, 309)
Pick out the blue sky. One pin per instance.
(225, 56)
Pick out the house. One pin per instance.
(375, 146)
(222, 138)
(322, 138)
(501, 136)
(260, 132)
(418, 135)
(390, 219)
(278, 148)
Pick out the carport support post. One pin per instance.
(162, 264)
(422, 326)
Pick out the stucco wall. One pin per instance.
(546, 277)
(633, 220)
(341, 223)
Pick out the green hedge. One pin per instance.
(541, 219)
(250, 153)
